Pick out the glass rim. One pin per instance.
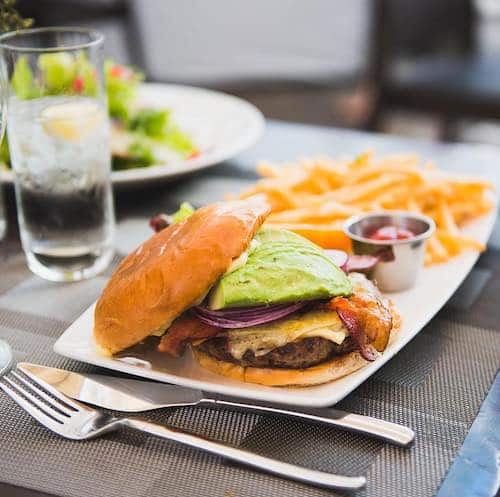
(95, 38)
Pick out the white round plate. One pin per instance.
(221, 125)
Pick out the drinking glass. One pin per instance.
(58, 134)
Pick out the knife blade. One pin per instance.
(129, 395)
(110, 392)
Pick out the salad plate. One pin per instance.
(418, 305)
(220, 125)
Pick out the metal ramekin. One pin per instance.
(399, 260)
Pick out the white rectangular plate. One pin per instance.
(417, 306)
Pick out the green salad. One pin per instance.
(141, 136)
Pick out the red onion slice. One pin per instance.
(339, 257)
(359, 263)
(243, 317)
(350, 263)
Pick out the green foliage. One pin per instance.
(10, 20)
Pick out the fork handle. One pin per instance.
(248, 458)
(366, 425)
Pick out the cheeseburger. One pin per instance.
(255, 304)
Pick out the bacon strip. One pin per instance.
(183, 330)
(353, 321)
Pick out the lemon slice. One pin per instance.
(72, 121)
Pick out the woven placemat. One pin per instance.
(435, 385)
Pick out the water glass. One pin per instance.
(58, 134)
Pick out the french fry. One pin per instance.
(328, 211)
(459, 242)
(446, 218)
(412, 205)
(408, 168)
(366, 189)
(437, 250)
(314, 196)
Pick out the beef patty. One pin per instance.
(297, 355)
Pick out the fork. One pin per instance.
(73, 420)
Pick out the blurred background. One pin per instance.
(426, 68)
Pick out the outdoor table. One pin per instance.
(444, 383)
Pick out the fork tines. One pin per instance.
(44, 403)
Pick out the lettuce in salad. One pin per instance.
(158, 125)
(151, 122)
(55, 73)
(139, 154)
(58, 71)
(23, 80)
(121, 86)
(74, 73)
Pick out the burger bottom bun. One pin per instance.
(335, 368)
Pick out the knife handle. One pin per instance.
(298, 473)
(384, 430)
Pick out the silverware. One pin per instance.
(129, 395)
(76, 421)
(399, 260)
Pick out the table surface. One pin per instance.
(286, 141)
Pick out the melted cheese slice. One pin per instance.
(263, 338)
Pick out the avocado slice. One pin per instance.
(282, 267)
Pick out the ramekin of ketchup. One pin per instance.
(397, 239)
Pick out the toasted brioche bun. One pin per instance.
(335, 368)
(172, 271)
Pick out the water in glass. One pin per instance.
(59, 147)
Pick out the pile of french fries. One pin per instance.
(313, 197)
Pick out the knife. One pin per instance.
(128, 395)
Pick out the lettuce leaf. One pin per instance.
(178, 140)
(23, 81)
(121, 85)
(58, 72)
(157, 125)
(152, 122)
(139, 154)
(185, 210)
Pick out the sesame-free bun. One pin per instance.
(335, 368)
(173, 271)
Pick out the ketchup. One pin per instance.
(391, 233)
